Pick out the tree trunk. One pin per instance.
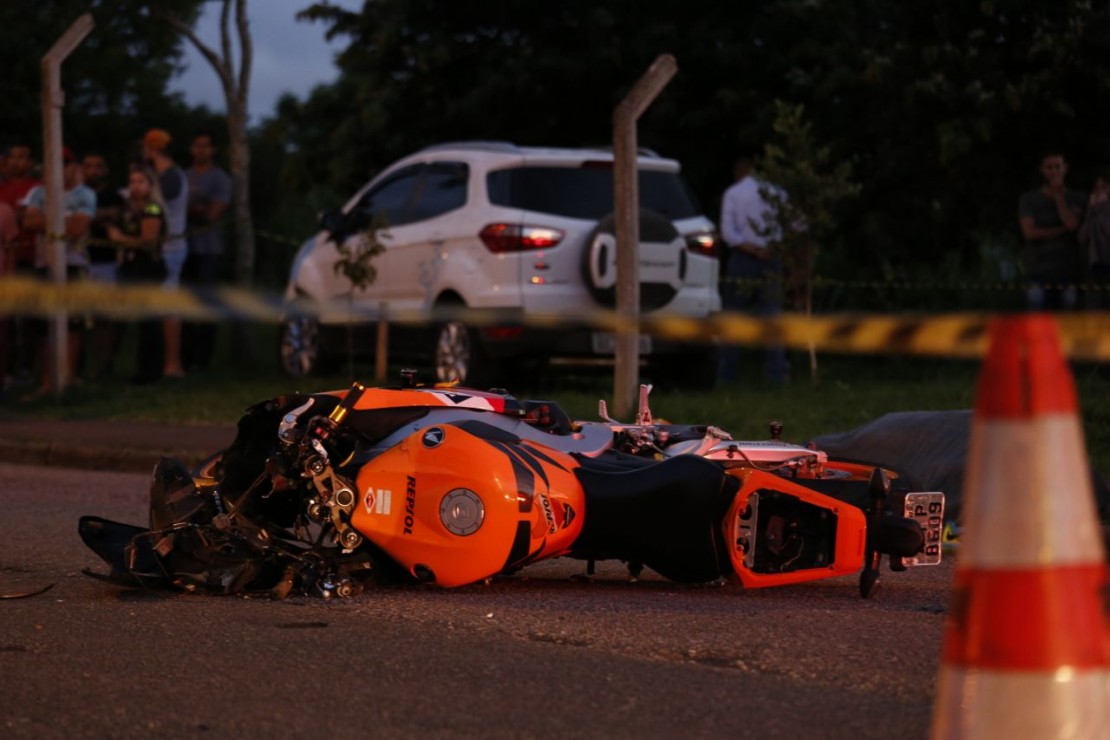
(240, 160)
(235, 87)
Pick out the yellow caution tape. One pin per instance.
(1084, 335)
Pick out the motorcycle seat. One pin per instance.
(666, 515)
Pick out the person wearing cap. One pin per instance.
(79, 207)
(175, 191)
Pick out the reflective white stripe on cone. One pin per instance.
(1027, 647)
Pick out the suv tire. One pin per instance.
(457, 355)
(300, 350)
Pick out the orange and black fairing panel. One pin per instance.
(433, 397)
(855, 469)
(456, 503)
(781, 532)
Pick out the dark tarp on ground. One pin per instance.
(930, 447)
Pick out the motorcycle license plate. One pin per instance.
(928, 510)
(604, 343)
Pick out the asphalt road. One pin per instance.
(537, 655)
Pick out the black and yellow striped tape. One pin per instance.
(1084, 335)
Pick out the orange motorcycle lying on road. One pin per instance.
(335, 492)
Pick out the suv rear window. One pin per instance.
(586, 192)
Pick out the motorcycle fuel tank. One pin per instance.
(457, 503)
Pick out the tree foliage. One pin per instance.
(115, 82)
(803, 186)
(234, 74)
(941, 106)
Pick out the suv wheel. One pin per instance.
(299, 346)
(662, 256)
(459, 357)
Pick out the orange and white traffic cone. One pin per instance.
(1027, 641)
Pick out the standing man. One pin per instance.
(209, 197)
(104, 338)
(1049, 218)
(753, 279)
(79, 206)
(175, 191)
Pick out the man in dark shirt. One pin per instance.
(1049, 218)
(103, 343)
(209, 197)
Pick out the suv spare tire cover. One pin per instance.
(662, 256)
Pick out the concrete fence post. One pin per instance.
(627, 217)
(53, 100)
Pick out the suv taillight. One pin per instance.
(501, 238)
(706, 243)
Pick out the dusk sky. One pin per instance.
(289, 56)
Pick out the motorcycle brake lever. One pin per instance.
(320, 450)
(287, 427)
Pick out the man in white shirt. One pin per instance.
(79, 204)
(753, 274)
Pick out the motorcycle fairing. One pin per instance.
(781, 532)
(587, 438)
(190, 544)
(125, 548)
(434, 397)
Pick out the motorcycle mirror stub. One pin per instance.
(432, 438)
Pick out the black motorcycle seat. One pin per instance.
(665, 515)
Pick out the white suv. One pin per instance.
(519, 230)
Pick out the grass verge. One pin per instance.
(848, 392)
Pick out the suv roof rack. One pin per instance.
(482, 145)
(478, 145)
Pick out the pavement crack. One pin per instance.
(558, 639)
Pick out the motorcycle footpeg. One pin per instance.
(868, 580)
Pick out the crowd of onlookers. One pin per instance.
(162, 225)
(159, 225)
